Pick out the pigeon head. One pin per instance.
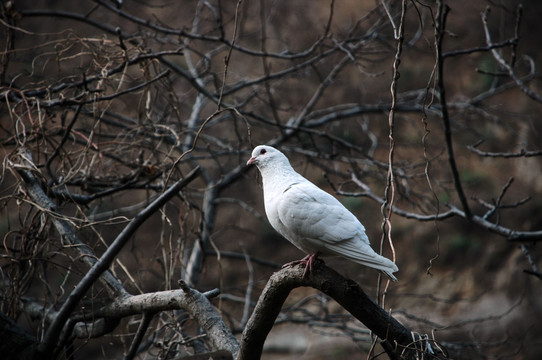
(264, 156)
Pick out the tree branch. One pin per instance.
(520, 153)
(51, 336)
(26, 169)
(530, 93)
(195, 303)
(511, 235)
(440, 27)
(396, 338)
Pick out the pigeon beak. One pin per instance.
(251, 161)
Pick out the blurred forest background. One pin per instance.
(104, 104)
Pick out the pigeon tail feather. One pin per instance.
(377, 262)
(361, 253)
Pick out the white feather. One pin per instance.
(310, 218)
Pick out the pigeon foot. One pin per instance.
(307, 262)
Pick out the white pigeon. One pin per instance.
(310, 218)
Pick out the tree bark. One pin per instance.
(397, 340)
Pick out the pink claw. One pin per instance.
(307, 262)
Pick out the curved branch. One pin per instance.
(397, 339)
(194, 302)
(106, 318)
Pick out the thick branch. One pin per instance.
(195, 303)
(397, 338)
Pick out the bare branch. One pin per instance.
(509, 234)
(138, 338)
(194, 302)
(530, 93)
(397, 339)
(442, 13)
(48, 344)
(534, 267)
(520, 153)
(26, 169)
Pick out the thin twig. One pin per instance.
(509, 234)
(520, 153)
(248, 292)
(389, 192)
(440, 26)
(530, 93)
(535, 270)
(228, 56)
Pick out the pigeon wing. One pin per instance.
(311, 213)
(323, 224)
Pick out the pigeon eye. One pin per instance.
(262, 151)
